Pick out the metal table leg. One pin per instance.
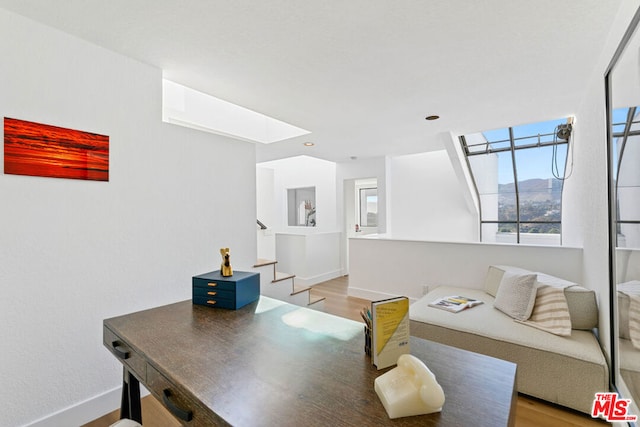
(130, 405)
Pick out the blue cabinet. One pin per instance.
(214, 290)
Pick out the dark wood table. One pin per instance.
(276, 364)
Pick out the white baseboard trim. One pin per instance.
(368, 294)
(372, 295)
(314, 280)
(85, 411)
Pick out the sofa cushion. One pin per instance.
(485, 320)
(550, 312)
(623, 315)
(516, 295)
(494, 276)
(583, 307)
(556, 282)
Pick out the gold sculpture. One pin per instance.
(225, 268)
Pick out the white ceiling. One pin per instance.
(361, 75)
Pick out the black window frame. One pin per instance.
(543, 140)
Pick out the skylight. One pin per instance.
(190, 108)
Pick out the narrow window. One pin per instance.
(368, 207)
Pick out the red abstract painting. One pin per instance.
(43, 150)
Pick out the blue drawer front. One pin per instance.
(212, 302)
(214, 284)
(214, 293)
(214, 290)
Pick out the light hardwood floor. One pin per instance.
(529, 412)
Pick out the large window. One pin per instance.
(626, 139)
(518, 173)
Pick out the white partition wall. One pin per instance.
(426, 199)
(313, 257)
(381, 267)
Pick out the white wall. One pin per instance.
(312, 257)
(75, 252)
(275, 178)
(426, 200)
(346, 175)
(266, 212)
(265, 193)
(298, 172)
(451, 143)
(382, 267)
(363, 169)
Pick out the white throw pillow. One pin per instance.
(516, 295)
(494, 277)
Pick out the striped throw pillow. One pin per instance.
(551, 312)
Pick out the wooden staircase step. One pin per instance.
(263, 262)
(313, 300)
(300, 289)
(279, 277)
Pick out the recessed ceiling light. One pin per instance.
(434, 117)
(309, 144)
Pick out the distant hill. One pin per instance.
(532, 190)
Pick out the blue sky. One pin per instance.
(620, 115)
(532, 163)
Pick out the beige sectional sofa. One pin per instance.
(566, 370)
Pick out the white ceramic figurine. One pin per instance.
(409, 389)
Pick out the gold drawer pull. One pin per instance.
(212, 302)
(211, 293)
(213, 284)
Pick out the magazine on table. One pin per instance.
(455, 303)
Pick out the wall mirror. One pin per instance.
(623, 130)
(301, 207)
